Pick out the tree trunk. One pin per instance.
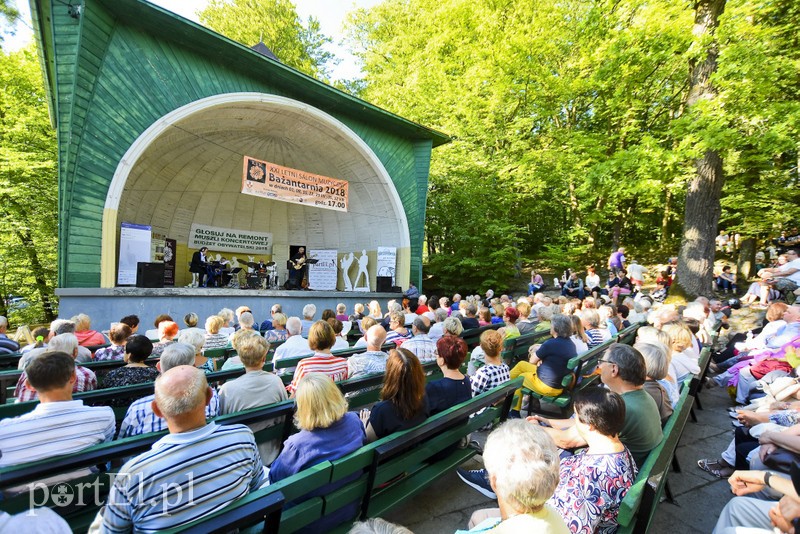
(696, 258)
(665, 219)
(746, 264)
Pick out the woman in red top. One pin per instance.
(83, 331)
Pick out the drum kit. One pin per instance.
(264, 275)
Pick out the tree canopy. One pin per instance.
(28, 190)
(571, 132)
(277, 24)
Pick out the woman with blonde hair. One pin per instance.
(578, 336)
(684, 360)
(215, 339)
(375, 310)
(327, 432)
(83, 331)
(279, 332)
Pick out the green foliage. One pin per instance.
(28, 190)
(277, 24)
(569, 123)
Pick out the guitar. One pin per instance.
(297, 265)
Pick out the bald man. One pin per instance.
(374, 360)
(193, 471)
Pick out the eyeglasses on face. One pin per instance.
(605, 361)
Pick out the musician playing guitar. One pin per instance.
(298, 270)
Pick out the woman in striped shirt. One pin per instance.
(320, 339)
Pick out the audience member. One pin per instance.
(214, 338)
(453, 388)
(374, 360)
(494, 372)
(219, 463)
(437, 329)
(320, 340)
(137, 350)
(7, 345)
(140, 417)
(403, 402)
(469, 320)
(547, 363)
(167, 332)
(83, 331)
(397, 333)
(234, 362)
(85, 379)
(421, 345)
(153, 333)
(132, 321)
(294, 346)
(578, 337)
(522, 469)
(57, 425)
(279, 332)
(341, 343)
(364, 325)
(309, 310)
(39, 336)
(254, 389)
(656, 362)
(327, 432)
(118, 335)
(196, 339)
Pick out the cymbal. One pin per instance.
(270, 263)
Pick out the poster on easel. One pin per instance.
(387, 262)
(322, 276)
(134, 247)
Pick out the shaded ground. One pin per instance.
(447, 505)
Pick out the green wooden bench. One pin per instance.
(516, 349)
(472, 337)
(113, 453)
(640, 502)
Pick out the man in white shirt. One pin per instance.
(636, 273)
(57, 425)
(194, 471)
(374, 360)
(787, 276)
(437, 329)
(309, 310)
(295, 345)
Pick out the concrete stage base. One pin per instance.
(105, 306)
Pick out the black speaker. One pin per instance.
(149, 274)
(384, 284)
(397, 289)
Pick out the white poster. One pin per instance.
(387, 262)
(323, 274)
(229, 240)
(134, 247)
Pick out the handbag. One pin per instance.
(781, 460)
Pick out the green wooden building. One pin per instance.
(155, 113)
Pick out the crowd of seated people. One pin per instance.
(619, 424)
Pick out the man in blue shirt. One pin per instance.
(192, 472)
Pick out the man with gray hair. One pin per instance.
(421, 345)
(374, 360)
(140, 417)
(623, 371)
(57, 327)
(192, 472)
(67, 343)
(295, 345)
(309, 310)
(437, 329)
(7, 345)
